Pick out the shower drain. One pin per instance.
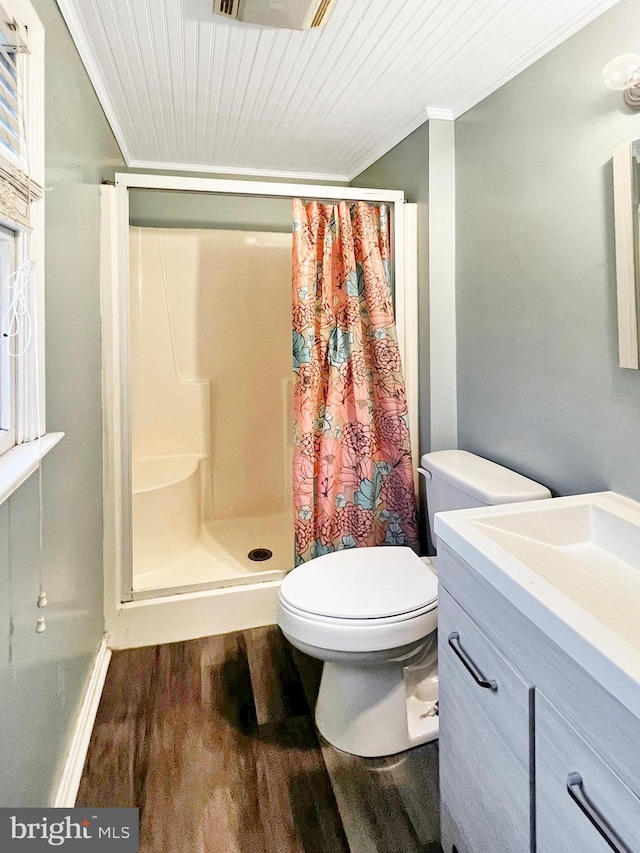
(260, 554)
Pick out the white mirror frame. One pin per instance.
(625, 236)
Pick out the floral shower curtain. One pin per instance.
(352, 473)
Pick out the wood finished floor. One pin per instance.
(214, 741)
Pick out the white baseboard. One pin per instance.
(65, 796)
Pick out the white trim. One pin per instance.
(7, 363)
(32, 71)
(386, 144)
(85, 49)
(19, 463)
(36, 142)
(122, 397)
(235, 170)
(260, 188)
(398, 259)
(208, 586)
(404, 242)
(443, 406)
(578, 22)
(189, 615)
(625, 257)
(67, 791)
(72, 17)
(114, 450)
(410, 361)
(441, 113)
(136, 622)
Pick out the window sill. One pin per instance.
(19, 463)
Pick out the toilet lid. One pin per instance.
(361, 583)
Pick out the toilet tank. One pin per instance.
(456, 479)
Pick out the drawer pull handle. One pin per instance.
(576, 792)
(469, 665)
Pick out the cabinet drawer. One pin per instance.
(583, 702)
(485, 741)
(565, 822)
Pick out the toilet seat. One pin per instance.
(361, 600)
(361, 584)
(355, 635)
(371, 622)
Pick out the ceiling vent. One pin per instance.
(291, 14)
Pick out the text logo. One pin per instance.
(31, 829)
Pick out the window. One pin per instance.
(20, 195)
(9, 341)
(22, 369)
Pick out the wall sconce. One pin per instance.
(623, 74)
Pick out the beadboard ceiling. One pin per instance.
(184, 89)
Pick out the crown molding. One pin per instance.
(72, 20)
(455, 104)
(593, 11)
(386, 143)
(441, 113)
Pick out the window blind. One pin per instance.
(17, 188)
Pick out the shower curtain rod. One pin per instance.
(304, 198)
(308, 199)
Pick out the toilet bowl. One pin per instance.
(368, 614)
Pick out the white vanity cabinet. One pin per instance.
(581, 804)
(485, 744)
(535, 754)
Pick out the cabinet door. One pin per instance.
(581, 805)
(485, 741)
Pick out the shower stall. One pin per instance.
(197, 393)
(210, 367)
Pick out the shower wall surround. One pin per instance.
(211, 384)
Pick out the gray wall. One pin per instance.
(42, 677)
(406, 167)
(538, 384)
(157, 209)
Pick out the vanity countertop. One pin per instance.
(572, 566)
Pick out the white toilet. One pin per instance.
(371, 613)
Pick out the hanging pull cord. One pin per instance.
(17, 325)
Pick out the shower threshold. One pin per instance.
(161, 592)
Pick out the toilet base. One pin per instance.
(365, 710)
